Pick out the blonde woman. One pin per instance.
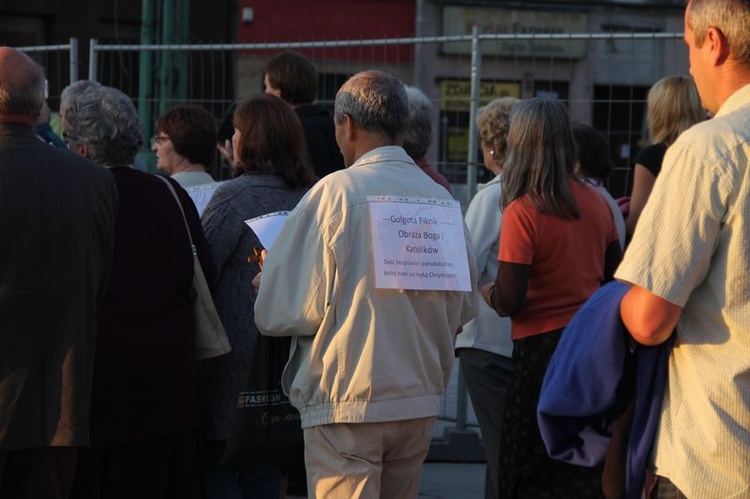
(673, 107)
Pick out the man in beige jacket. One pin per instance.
(373, 333)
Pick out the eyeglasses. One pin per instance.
(69, 136)
(158, 139)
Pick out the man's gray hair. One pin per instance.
(106, 120)
(732, 17)
(26, 99)
(71, 93)
(375, 101)
(418, 134)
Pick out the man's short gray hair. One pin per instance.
(418, 133)
(375, 101)
(106, 120)
(732, 17)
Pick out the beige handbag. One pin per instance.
(210, 337)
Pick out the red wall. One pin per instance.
(317, 20)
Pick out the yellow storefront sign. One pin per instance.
(458, 144)
(455, 95)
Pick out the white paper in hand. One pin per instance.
(268, 226)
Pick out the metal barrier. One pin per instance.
(52, 58)
(603, 77)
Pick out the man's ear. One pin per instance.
(349, 128)
(718, 45)
(82, 149)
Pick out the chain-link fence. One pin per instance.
(61, 64)
(602, 77)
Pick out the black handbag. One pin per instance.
(265, 428)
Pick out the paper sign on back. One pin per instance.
(418, 244)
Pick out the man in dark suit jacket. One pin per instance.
(56, 236)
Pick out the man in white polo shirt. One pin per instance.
(689, 262)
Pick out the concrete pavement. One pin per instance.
(442, 479)
(452, 481)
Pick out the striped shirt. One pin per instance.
(692, 248)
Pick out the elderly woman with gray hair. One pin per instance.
(418, 133)
(144, 409)
(485, 346)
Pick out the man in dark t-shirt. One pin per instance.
(293, 78)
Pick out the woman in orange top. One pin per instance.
(558, 244)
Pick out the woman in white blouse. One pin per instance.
(485, 346)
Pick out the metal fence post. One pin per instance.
(461, 403)
(145, 78)
(182, 28)
(418, 52)
(73, 60)
(92, 59)
(476, 81)
(471, 187)
(166, 66)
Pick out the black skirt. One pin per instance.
(526, 471)
(159, 468)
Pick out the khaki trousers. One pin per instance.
(367, 460)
